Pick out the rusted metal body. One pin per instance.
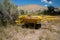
(36, 20)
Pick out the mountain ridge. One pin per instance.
(31, 7)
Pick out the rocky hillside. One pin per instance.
(31, 7)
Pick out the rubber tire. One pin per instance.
(38, 26)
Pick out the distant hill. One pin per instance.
(31, 7)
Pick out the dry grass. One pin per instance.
(47, 32)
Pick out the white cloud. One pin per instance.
(50, 2)
(46, 5)
(46, 1)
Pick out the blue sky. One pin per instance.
(55, 3)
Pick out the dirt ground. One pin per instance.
(50, 30)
